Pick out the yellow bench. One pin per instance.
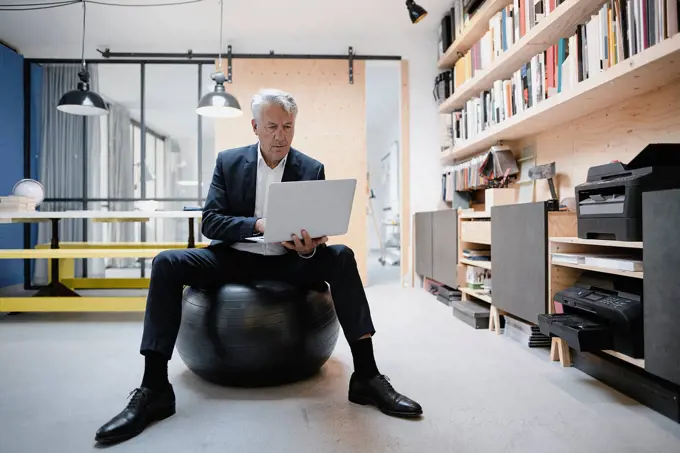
(80, 304)
(122, 245)
(65, 253)
(67, 265)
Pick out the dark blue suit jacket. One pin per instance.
(229, 211)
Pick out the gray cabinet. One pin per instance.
(436, 239)
(519, 259)
(423, 252)
(661, 286)
(445, 247)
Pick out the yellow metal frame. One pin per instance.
(106, 283)
(78, 253)
(88, 303)
(73, 304)
(122, 245)
(67, 265)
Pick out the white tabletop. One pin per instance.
(31, 216)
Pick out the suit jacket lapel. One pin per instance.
(292, 170)
(250, 178)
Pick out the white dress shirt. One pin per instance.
(265, 177)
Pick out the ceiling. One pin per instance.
(378, 27)
(255, 26)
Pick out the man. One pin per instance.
(234, 210)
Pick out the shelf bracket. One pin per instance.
(351, 65)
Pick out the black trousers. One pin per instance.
(208, 267)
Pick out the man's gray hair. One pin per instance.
(273, 97)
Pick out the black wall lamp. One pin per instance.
(83, 101)
(415, 11)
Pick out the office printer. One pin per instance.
(609, 203)
(600, 312)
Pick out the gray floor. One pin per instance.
(379, 274)
(61, 376)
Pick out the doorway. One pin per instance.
(384, 154)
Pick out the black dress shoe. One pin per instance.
(379, 392)
(145, 406)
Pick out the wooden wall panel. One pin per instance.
(405, 194)
(615, 133)
(330, 126)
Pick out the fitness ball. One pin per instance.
(258, 334)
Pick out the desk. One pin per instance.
(55, 288)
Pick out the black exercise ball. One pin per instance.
(257, 334)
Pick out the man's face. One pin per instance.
(275, 129)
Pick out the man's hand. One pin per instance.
(259, 226)
(306, 245)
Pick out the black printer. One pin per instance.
(609, 203)
(600, 312)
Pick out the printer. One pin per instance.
(600, 312)
(609, 203)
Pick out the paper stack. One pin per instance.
(14, 203)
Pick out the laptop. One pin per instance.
(323, 208)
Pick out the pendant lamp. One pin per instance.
(82, 101)
(415, 11)
(219, 103)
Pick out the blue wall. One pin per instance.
(11, 154)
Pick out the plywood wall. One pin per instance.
(615, 133)
(330, 127)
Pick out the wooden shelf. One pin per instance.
(473, 32)
(637, 362)
(651, 69)
(474, 215)
(482, 264)
(561, 22)
(475, 293)
(604, 270)
(574, 240)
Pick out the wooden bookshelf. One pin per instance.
(598, 242)
(554, 26)
(473, 32)
(605, 270)
(476, 293)
(476, 263)
(652, 68)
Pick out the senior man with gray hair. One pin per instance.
(233, 211)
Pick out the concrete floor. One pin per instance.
(62, 376)
(379, 274)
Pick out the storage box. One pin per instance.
(478, 231)
(499, 197)
(472, 313)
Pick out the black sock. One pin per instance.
(364, 361)
(155, 371)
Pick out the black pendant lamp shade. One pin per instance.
(415, 11)
(219, 103)
(83, 101)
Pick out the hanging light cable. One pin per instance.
(83, 101)
(218, 103)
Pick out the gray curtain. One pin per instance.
(61, 155)
(171, 170)
(121, 180)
